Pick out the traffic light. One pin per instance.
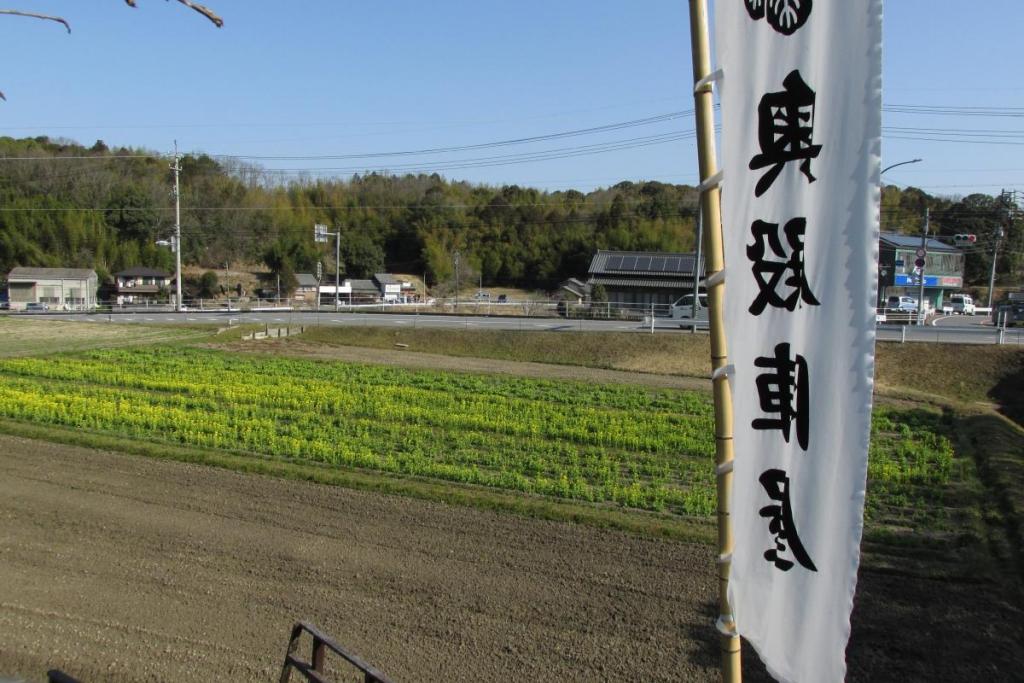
(965, 238)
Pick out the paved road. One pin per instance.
(950, 329)
(373, 319)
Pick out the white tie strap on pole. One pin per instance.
(708, 81)
(710, 183)
(714, 279)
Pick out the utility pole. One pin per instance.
(456, 280)
(995, 257)
(1006, 198)
(923, 256)
(177, 227)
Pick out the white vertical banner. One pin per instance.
(801, 143)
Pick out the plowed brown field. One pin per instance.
(122, 568)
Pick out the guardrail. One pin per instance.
(534, 308)
(313, 670)
(950, 335)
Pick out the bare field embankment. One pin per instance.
(33, 336)
(990, 375)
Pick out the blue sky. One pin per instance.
(336, 77)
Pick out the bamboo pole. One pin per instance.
(715, 260)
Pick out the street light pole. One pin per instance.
(320, 235)
(902, 163)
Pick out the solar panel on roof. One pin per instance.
(672, 264)
(629, 263)
(614, 263)
(643, 263)
(658, 264)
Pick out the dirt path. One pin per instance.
(437, 361)
(121, 568)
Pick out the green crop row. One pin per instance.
(627, 445)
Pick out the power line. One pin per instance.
(660, 118)
(947, 110)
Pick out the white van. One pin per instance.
(962, 304)
(683, 308)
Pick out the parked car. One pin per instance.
(482, 296)
(902, 304)
(5, 305)
(1008, 313)
(502, 298)
(36, 307)
(962, 304)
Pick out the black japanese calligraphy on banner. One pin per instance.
(785, 16)
(785, 128)
(770, 270)
(781, 523)
(784, 391)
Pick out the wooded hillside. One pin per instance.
(63, 204)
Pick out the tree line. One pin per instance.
(106, 210)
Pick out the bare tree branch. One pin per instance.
(33, 15)
(205, 11)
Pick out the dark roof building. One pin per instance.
(574, 289)
(642, 278)
(898, 273)
(139, 283)
(364, 291)
(386, 279)
(33, 274)
(307, 281)
(142, 272)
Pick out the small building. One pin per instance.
(898, 274)
(70, 289)
(306, 287)
(328, 296)
(140, 284)
(389, 286)
(573, 291)
(638, 279)
(364, 291)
